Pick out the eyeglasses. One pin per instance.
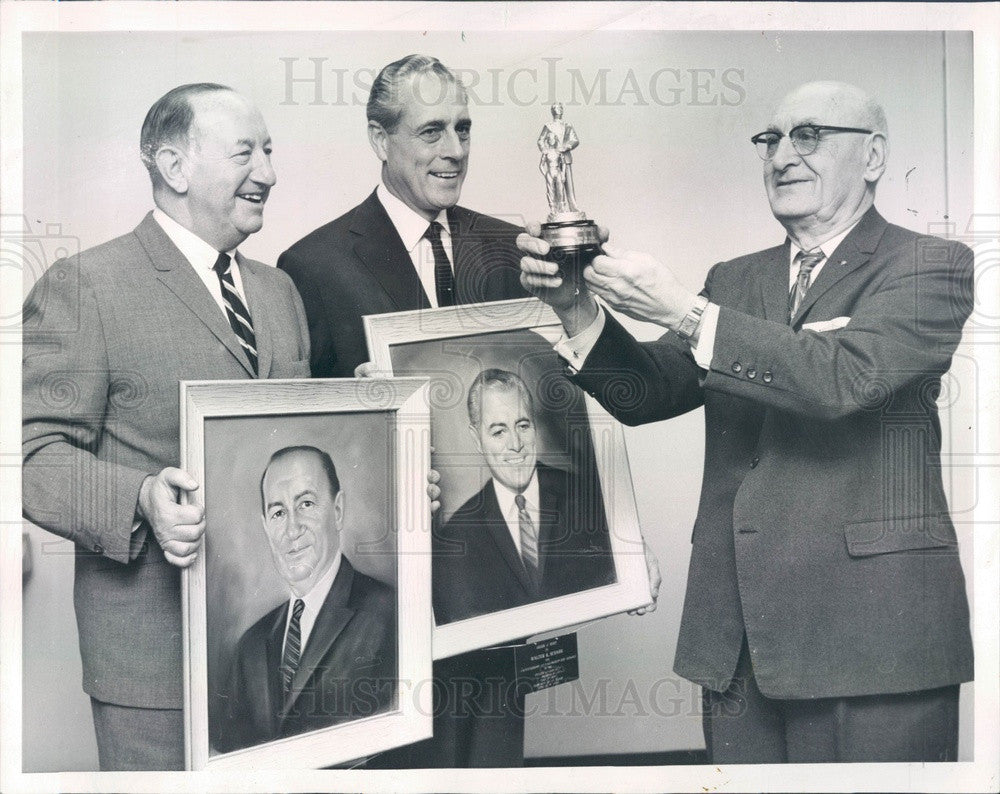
(804, 138)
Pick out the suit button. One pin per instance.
(754, 461)
(751, 373)
(766, 377)
(737, 367)
(98, 548)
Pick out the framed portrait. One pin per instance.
(537, 528)
(307, 615)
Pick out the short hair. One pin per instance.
(169, 121)
(384, 105)
(494, 377)
(875, 116)
(324, 458)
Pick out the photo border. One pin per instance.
(980, 18)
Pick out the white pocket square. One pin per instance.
(827, 325)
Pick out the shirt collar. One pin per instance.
(505, 496)
(828, 246)
(409, 224)
(199, 253)
(314, 598)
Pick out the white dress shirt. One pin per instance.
(505, 498)
(202, 257)
(313, 603)
(576, 349)
(411, 227)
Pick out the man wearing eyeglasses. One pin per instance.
(826, 615)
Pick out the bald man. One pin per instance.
(826, 615)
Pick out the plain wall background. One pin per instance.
(679, 180)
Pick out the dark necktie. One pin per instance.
(293, 647)
(444, 281)
(807, 261)
(236, 311)
(529, 538)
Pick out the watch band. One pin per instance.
(690, 323)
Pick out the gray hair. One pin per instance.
(494, 377)
(169, 121)
(384, 105)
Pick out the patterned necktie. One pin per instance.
(293, 646)
(529, 538)
(806, 264)
(236, 311)
(444, 281)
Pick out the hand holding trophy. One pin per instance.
(574, 238)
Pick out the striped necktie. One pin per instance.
(444, 280)
(529, 538)
(807, 261)
(293, 646)
(236, 311)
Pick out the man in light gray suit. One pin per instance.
(107, 336)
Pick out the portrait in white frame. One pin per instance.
(315, 495)
(545, 440)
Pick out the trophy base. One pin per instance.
(575, 235)
(573, 245)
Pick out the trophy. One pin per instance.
(573, 237)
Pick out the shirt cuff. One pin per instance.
(576, 349)
(706, 336)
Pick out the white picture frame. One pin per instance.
(455, 342)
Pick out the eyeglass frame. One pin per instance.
(817, 127)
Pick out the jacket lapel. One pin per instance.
(774, 285)
(272, 653)
(500, 535)
(466, 250)
(176, 273)
(333, 616)
(381, 250)
(854, 251)
(551, 515)
(257, 305)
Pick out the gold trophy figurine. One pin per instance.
(573, 237)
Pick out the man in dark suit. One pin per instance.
(107, 336)
(410, 246)
(328, 654)
(524, 537)
(826, 616)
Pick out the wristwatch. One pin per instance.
(690, 323)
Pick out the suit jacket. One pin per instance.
(347, 669)
(107, 336)
(477, 569)
(823, 531)
(357, 265)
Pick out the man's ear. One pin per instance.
(170, 163)
(878, 156)
(338, 510)
(377, 138)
